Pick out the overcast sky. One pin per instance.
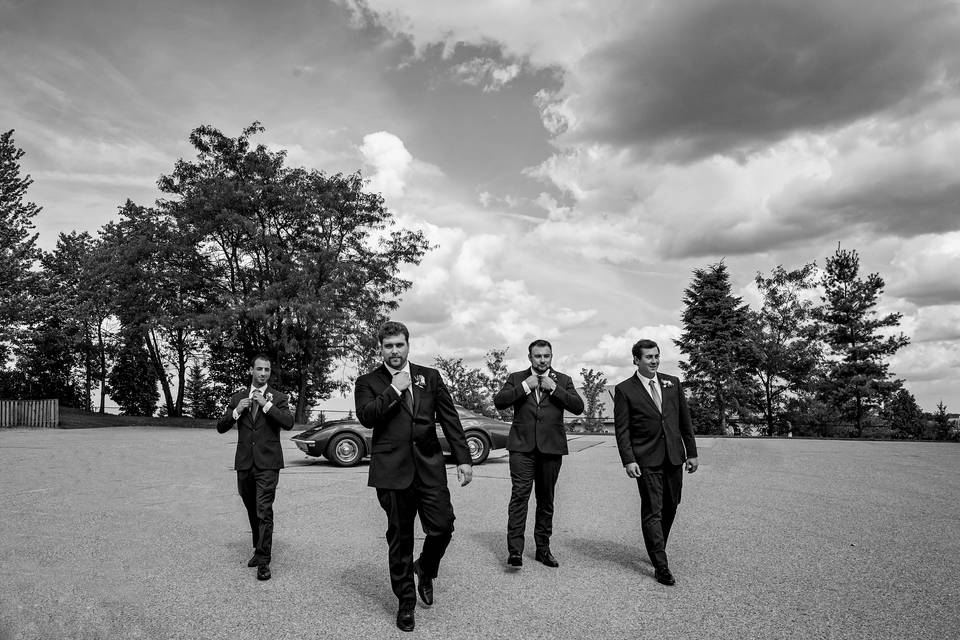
(573, 161)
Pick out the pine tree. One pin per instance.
(17, 244)
(714, 327)
(201, 401)
(858, 380)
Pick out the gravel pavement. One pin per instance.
(139, 533)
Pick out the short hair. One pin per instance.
(539, 343)
(392, 328)
(260, 356)
(643, 344)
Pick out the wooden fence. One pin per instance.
(29, 413)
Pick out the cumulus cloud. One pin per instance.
(390, 160)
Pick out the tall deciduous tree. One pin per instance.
(858, 379)
(299, 264)
(17, 241)
(714, 326)
(158, 279)
(497, 372)
(781, 342)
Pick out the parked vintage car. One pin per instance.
(346, 442)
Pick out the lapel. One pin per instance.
(645, 394)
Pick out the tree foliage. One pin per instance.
(133, 380)
(200, 401)
(594, 384)
(17, 241)
(904, 414)
(857, 379)
(713, 340)
(783, 351)
(297, 264)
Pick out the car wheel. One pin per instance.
(479, 446)
(345, 450)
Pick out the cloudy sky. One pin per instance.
(573, 161)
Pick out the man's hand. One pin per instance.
(632, 469)
(464, 474)
(259, 397)
(532, 382)
(243, 405)
(547, 384)
(401, 381)
(692, 464)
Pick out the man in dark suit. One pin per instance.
(258, 413)
(537, 444)
(655, 439)
(402, 402)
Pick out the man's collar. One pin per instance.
(644, 378)
(262, 389)
(534, 372)
(393, 372)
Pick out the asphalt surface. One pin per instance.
(139, 533)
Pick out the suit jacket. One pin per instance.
(258, 440)
(644, 434)
(538, 425)
(406, 443)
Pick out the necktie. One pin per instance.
(407, 397)
(539, 388)
(254, 408)
(656, 395)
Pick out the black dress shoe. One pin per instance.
(515, 560)
(663, 576)
(405, 620)
(254, 561)
(424, 585)
(263, 572)
(547, 558)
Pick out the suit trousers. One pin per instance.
(659, 497)
(528, 470)
(258, 488)
(436, 517)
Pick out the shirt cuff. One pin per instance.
(267, 406)
(526, 387)
(395, 389)
(236, 415)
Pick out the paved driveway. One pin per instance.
(139, 533)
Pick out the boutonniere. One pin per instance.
(420, 381)
(269, 396)
(553, 375)
(666, 384)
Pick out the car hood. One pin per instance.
(319, 428)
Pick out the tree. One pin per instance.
(857, 380)
(200, 400)
(783, 353)
(46, 360)
(469, 387)
(133, 380)
(904, 414)
(942, 420)
(17, 244)
(594, 384)
(299, 265)
(158, 281)
(72, 288)
(495, 361)
(714, 324)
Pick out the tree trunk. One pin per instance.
(154, 350)
(103, 366)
